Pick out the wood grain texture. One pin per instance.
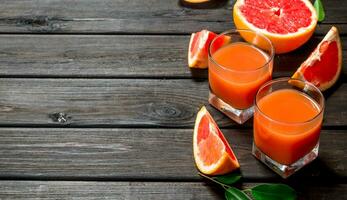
(141, 154)
(122, 103)
(137, 16)
(117, 56)
(140, 190)
(107, 190)
(136, 125)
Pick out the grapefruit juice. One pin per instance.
(241, 77)
(239, 62)
(287, 120)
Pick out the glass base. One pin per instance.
(239, 116)
(285, 170)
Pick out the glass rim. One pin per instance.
(287, 79)
(271, 57)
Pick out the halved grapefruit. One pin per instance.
(288, 24)
(212, 153)
(198, 48)
(323, 66)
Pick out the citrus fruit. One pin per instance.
(288, 24)
(323, 67)
(212, 153)
(198, 47)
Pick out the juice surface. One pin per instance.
(289, 105)
(244, 73)
(240, 56)
(296, 134)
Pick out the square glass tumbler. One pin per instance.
(287, 121)
(240, 61)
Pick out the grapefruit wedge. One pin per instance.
(198, 47)
(287, 23)
(212, 153)
(323, 67)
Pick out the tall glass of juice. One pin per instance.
(240, 61)
(287, 122)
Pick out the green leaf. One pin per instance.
(273, 192)
(318, 5)
(235, 194)
(228, 179)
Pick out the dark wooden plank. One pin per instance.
(333, 191)
(100, 56)
(140, 154)
(137, 16)
(139, 190)
(106, 190)
(121, 103)
(116, 56)
(309, 189)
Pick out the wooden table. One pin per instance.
(97, 102)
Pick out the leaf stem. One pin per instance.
(247, 190)
(215, 181)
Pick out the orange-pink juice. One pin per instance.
(286, 125)
(236, 71)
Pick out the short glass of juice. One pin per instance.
(287, 121)
(240, 61)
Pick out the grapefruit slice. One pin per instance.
(198, 48)
(212, 153)
(323, 67)
(287, 23)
